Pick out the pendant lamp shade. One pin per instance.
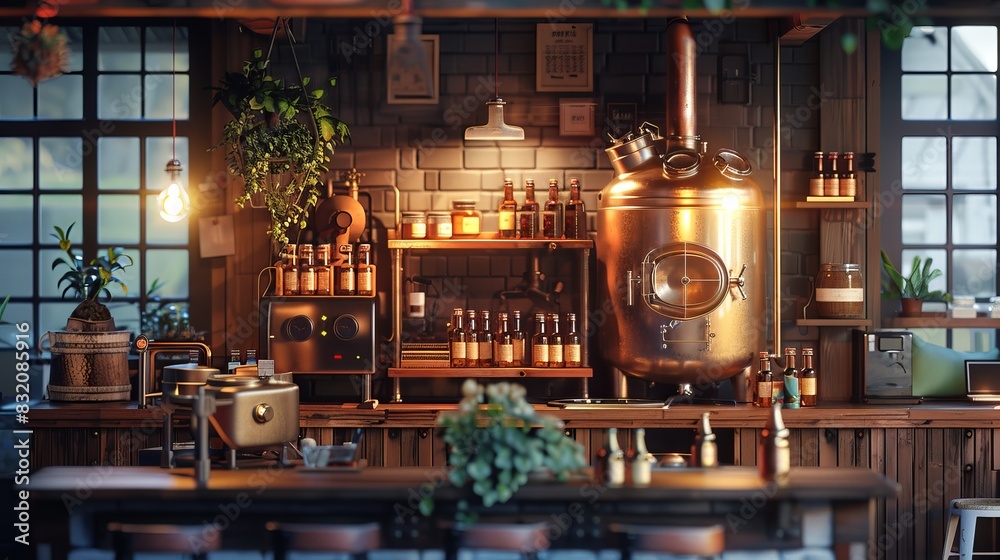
(495, 128)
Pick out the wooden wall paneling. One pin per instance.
(906, 457)
(828, 441)
(795, 447)
(955, 480)
(936, 487)
(409, 446)
(921, 530)
(375, 446)
(425, 447)
(746, 445)
(883, 515)
(809, 450)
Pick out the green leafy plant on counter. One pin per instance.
(496, 440)
(88, 282)
(914, 286)
(279, 141)
(3, 307)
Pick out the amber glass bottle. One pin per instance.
(807, 378)
(765, 381)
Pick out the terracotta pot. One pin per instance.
(911, 307)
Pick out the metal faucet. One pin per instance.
(148, 349)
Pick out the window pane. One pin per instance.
(17, 285)
(171, 267)
(61, 98)
(924, 219)
(16, 102)
(158, 96)
(162, 232)
(165, 47)
(924, 97)
(60, 163)
(118, 163)
(974, 163)
(974, 219)
(939, 260)
(119, 97)
(59, 210)
(126, 313)
(974, 97)
(16, 219)
(16, 163)
(118, 49)
(926, 49)
(973, 340)
(75, 35)
(975, 272)
(974, 48)
(160, 150)
(129, 276)
(52, 316)
(118, 218)
(924, 160)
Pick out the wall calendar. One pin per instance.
(565, 57)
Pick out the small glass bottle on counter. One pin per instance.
(324, 275)
(366, 271)
(503, 353)
(816, 182)
(527, 216)
(471, 339)
(413, 225)
(704, 451)
(642, 461)
(507, 220)
(765, 381)
(576, 213)
(346, 273)
(519, 341)
(831, 180)
(439, 225)
(457, 339)
(251, 357)
(791, 381)
(553, 216)
(234, 360)
(485, 340)
(572, 350)
(849, 180)
(540, 343)
(774, 458)
(307, 274)
(807, 378)
(556, 349)
(466, 221)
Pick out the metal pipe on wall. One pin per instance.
(776, 258)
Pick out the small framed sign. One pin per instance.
(565, 57)
(409, 83)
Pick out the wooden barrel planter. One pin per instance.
(89, 366)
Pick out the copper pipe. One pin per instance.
(680, 79)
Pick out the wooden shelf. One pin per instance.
(489, 241)
(857, 204)
(491, 372)
(941, 321)
(833, 322)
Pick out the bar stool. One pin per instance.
(354, 539)
(964, 512)
(195, 540)
(706, 541)
(526, 538)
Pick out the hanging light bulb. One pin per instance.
(173, 201)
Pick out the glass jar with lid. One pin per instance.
(465, 219)
(413, 225)
(840, 292)
(439, 225)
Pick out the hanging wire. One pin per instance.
(496, 57)
(173, 90)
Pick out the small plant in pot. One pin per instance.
(90, 357)
(914, 289)
(279, 141)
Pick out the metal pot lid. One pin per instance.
(188, 373)
(235, 382)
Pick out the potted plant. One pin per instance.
(90, 357)
(914, 289)
(279, 140)
(496, 441)
(40, 51)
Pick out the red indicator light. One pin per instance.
(338, 356)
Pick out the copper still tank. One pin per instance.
(681, 248)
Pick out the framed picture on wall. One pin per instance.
(565, 57)
(413, 76)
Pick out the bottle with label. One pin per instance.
(527, 216)
(503, 348)
(774, 459)
(616, 459)
(807, 378)
(366, 271)
(540, 343)
(704, 451)
(849, 179)
(251, 357)
(791, 379)
(290, 275)
(507, 228)
(324, 276)
(346, 274)
(831, 180)
(816, 182)
(234, 360)
(307, 274)
(466, 221)
(572, 351)
(554, 214)
(457, 339)
(765, 381)
(642, 461)
(557, 356)
(471, 339)
(576, 213)
(519, 340)
(486, 340)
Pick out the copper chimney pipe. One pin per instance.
(681, 81)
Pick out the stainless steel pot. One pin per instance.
(681, 248)
(179, 382)
(254, 412)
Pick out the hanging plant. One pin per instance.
(40, 51)
(279, 141)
